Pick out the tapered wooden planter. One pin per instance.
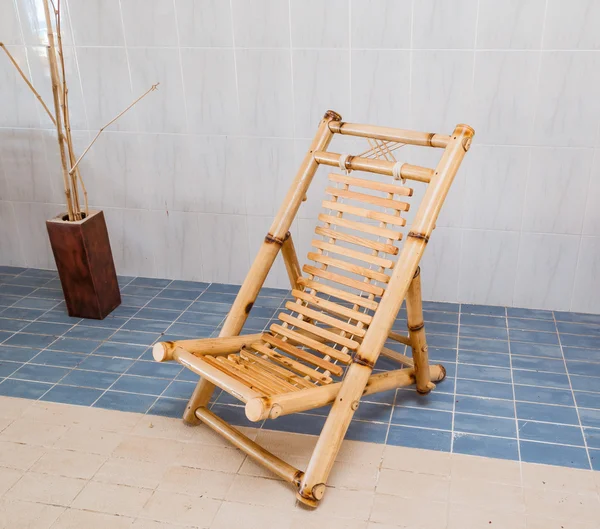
(85, 265)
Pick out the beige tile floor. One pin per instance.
(69, 467)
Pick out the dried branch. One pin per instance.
(35, 92)
(151, 89)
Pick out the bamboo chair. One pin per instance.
(326, 343)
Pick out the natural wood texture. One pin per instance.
(325, 345)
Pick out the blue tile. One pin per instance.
(123, 311)
(12, 325)
(147, 355)
(582, 383)
(536, 378)
(30, 340)
(235, 415)
(154, 369)
(23, 389)
(150, 282)
(17, 354)
(89, 333)
(442, 354)
(21, 314)
(58, 316)
(110, 322)
(479, 344)
(550, 433)
(581, 353)
(124, 280)
(475, 388)
(485, 406)
(552, 454)
(168, 408)
(48, 294)
(544, 412)
(487, 310)
(226, 398)
(575, 317)
(52, 329)
(223, 288)
(151, 326)
(59, 359)
(140, 291)
(265, 302)
(575, 340)
(592, 437)
(439, 317)
(122, 350)
(367, 432)
(72, 395)
(493, 374)
(383, 397)
(263, 312)
(487, 321)
(73, 345)
(375, 412)
(4, 335)
(180, 389)
(133, 302)
(113, 400)
(440, 306)
(595, 458)
(16, 290)
(419, 438)
(589, 369)
(12, 270)
(441, 340)
(188, 330)
(590, 418)
(424, 417)
(40, 373)
(211, 308)
(90, 379)
(296, 423)
(486, 359)
(7, 368)
(27, 281)
(529, 313)
(218, 297)
(172, 293)
(480, 424)
(531, 325)
(135, 337)
(544, 395)
(188, 285)
(158, 314)
(586, 400)
(578, 328)
(538, 364)
(538, 337)
(199, 318)
(433, 401)
(7, 301)
(105, 363)
(40, 272)
(476, 331)
(480, 445)
(534, 349)
(144, 385)
(168, 304)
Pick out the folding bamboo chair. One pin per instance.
(325, 345)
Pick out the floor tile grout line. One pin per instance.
(455, 380)
(573, 395)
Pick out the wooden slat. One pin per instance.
(291, 377)
(307, 341)
(261, 374)
(370, 184)
(331, 307)
(268, 387)
(318, 331)
(290, 363)
(361, 226)
(348, 267)
(355, 239)
(368, 199)
(354, 254)
(339, 294)
(324, 318)
(305, 356)
(365, 213)
(212, 360)
(343, 280)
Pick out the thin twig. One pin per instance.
(151, 89)
(35, 92)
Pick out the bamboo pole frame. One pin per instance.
(290, 259)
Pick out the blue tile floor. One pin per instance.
(522, 384)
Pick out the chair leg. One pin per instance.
(200, 398)
(416, 331)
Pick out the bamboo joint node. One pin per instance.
(421, 236)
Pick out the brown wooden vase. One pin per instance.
(85, 265)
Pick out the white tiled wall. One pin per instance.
(190, 178)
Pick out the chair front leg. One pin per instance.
(416, 332)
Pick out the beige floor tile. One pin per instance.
(261, 491)
(4, 422)
(77, 519)
(486, 494)
(284, 444)
(413, 485)
(45, 488)
(157, 450)
(33, 433)
(19, 456)
(13, 408)
(16, 514)
(8, 477)
(84, 439)
(180, 509)
(542, 522)
(339, 503)
(415, 513)
(486, 469)
(416, 460)
(55, 413)
(110, 420)
(165, 428)
(142, 474)
(375, 525)
(316, 521)
(141, 523)
(112, 499)
(468, 517)
(196, 482)
(68, 463)
(562, 505)
(233, 515)
(209, 457)
(548, 477)
(346, 475)
(360, 453)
